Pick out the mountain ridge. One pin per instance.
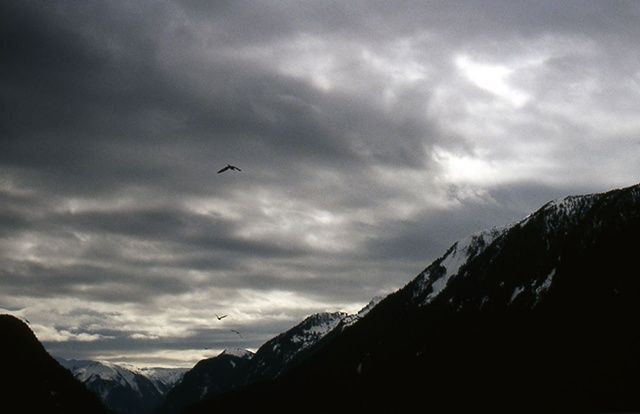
(124, 389)
(546, 300)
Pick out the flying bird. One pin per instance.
(220, 317)
(229, 167)
(234, 331)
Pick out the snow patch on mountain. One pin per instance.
(238, 352)
(163, 378)
(547, 283)
(315, 327)
(435, 278)
(565, 212)
(544, 286)
(351, 319)
(516, 292)
(204, 391)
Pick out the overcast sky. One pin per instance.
(371, 136)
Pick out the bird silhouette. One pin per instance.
(220, 317)
(234, 331)
(229, 167)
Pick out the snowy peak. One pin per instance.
(351, 319)
(274, 357)
(314, 328)
(238, 352)
(560, 214)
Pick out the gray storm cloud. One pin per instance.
(371, 136)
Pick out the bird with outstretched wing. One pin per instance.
(236, 332)
(229, 167)
(220, 317)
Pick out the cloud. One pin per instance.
(49, 334)
(371, 137)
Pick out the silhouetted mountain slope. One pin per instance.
(208, 378)
(237, 368)
(539, 316)
(32, 381)
(278, 354)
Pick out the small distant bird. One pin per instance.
(234, 331)
(229, 167)
(220, 317)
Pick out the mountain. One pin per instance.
(32, 381)
(281, 352)
(124, 389)
(164, 379)
(234, 369)
(208, 378)
(351, 319)
(538, 316)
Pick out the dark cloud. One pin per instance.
(108, 114)
(93, 283)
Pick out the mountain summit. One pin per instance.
(538, 316)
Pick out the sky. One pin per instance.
(371, 136)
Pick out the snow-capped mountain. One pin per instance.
(275, 356)
(32, 381)
(236, 368)
(537, 243)
(537, 316)
(123, 388)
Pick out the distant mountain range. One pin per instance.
(537, 316)
(125, 389)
